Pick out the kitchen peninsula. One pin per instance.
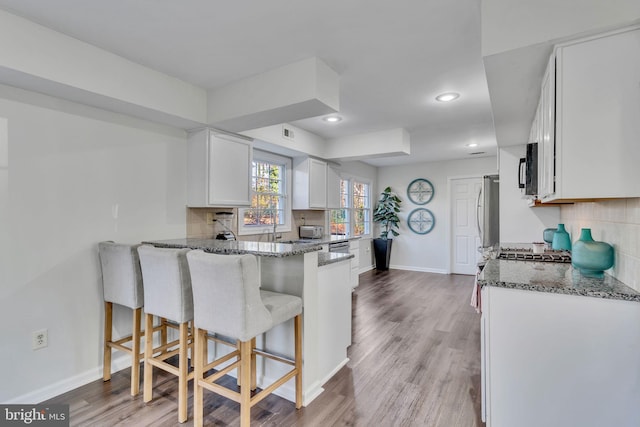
(321, 280)
(558, 348)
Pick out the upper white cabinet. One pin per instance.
(218, 169)
(333, 188)
(597, 119)
(546, 133)
(309, 183)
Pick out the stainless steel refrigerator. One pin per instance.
(488, 211)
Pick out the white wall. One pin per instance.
(64, 168)
(428, 252)
(518, 222)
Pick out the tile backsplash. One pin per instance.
(197, 226)
(616, 222)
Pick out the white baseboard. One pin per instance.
(422, 269)
(52, 390)
(365, 269)
(335, 371)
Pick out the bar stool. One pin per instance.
(122, 285)
(228, 301)
(167, 293)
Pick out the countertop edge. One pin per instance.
(280, 252)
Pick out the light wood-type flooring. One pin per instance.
(414, 361)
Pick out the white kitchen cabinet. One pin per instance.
(354, 249)
(218, 169)
(309, 183)
(333, 188)
(559, 360)
(597, 126)
(546, 126)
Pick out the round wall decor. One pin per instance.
(420, 191)
(421, 221)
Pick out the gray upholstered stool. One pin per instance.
(167, 293)
(228, 301)
(122, 285)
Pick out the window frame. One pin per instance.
(351, 209)
(286, 162)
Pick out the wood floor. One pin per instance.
(415, 361)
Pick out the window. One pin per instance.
(354, 216)
(269, 189)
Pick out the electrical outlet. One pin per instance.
(211, 218)
(39, 339)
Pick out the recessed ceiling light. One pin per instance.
(446, 97)
(332, 119)
(473, 144)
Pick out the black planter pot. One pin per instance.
(382, 252)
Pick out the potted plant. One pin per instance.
(386, 214)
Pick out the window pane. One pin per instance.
(268, 202)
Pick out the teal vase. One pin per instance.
(547, 234)
(591, 257)
(561, 239)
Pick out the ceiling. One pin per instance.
(393, 58)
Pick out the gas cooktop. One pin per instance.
(526, 254)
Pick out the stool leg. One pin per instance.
(254, 384)
(108, 322)
(148, 354)
(135, 352)
(183, 368)
(200, 361)
(239, 371)
(245, 392)
(298, 359)
(163, 332)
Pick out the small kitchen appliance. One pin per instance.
(224, 221)
(311, 231)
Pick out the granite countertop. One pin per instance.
(552, 277)
(325, 258)
(238, 247)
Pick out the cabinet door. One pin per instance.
(354, 249)
(598, 111)
(317, 184)
(546, 147)
(333, 188)
(229, 170)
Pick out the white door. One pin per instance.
(464, 229)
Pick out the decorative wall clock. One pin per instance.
(420, 191)
(421, 221)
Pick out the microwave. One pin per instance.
(528, 171)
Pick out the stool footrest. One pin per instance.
(274, 357)
(266, 391)
(168, 367)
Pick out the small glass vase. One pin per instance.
(547, 234)
(590, 257)
(561, 239)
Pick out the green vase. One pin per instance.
(591, 257)
(561, 239)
